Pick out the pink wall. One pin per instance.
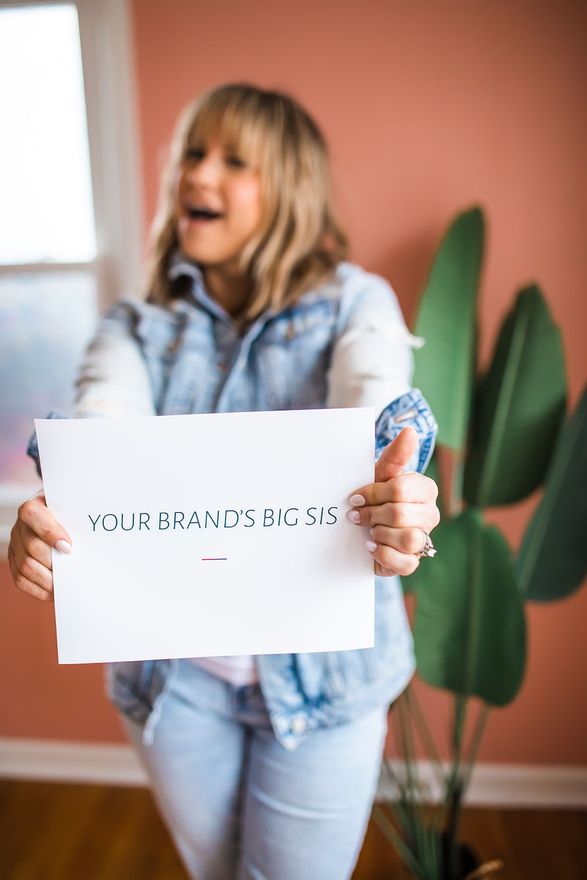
(428, 109)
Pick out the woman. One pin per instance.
(263, 767)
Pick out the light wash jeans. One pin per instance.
(240, 805)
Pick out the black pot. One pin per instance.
(467, 859)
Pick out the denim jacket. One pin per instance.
(343, 343)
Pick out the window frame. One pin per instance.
(107, 53)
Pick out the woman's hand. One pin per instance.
(400, 508)
(29, 553)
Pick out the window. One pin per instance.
(70, 217)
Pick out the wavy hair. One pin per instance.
(299, 240)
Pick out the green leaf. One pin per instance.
(469, 625)
(433, 470)
(447, 320)
(552, 561)
(520, 406)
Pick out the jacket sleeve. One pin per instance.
(372, 362)
(113, 378)
(372, 365)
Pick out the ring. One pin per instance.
(427, 549)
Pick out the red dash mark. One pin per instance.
(214, 558)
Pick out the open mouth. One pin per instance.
(202, 213)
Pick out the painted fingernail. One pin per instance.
(63, 546)
(357, 500)
(354, 516)
(371, 545)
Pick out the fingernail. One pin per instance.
(357, 500)
(63, 546)
(371, 545)
(354, 516)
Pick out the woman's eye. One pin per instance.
(193, 154)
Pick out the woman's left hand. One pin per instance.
(400, 508)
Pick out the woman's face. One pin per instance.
(212, 176)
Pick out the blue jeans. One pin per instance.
(240, 805)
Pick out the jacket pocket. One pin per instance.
(128, 685)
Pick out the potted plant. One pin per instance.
(502, 435)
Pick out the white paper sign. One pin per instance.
(207, 535)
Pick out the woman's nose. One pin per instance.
(206, 170)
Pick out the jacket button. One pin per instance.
(298, 724)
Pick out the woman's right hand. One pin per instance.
(33, 535)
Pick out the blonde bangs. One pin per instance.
(236, 128)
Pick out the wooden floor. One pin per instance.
(89, 832)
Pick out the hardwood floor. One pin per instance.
(54, 831)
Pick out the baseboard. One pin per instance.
(492, 785)
(70, 762)
(505, 785)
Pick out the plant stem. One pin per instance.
(406, 746)
(475, 742)
(438, 817)
(454, 790)
(458, 731)
(455, 504)
(417, 826)
(395, 839)
(426, 737)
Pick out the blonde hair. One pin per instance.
(299, 241)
